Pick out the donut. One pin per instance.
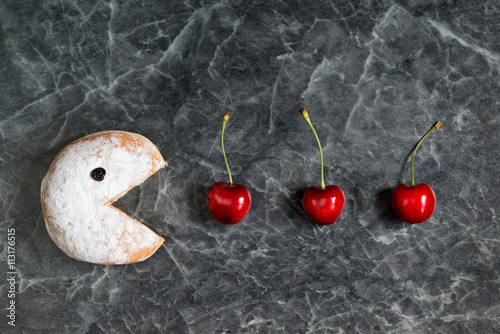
(77, 193)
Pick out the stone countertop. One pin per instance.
(374, 76)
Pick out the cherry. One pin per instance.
(416, 203)
(322, 204)
(228, 203)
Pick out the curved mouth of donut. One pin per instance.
(131, 198)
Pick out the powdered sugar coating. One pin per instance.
(77, 210)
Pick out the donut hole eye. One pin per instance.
(98, 174)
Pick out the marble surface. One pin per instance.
(374, 76)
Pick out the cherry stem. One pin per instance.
(434, 127)
(224, 120)
(304, 113)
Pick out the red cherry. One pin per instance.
(228, 204)
(414, 204)
(324, 206)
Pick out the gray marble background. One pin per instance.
(374, 76)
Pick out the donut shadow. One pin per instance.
(27, 204)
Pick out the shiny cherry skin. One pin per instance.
(414, 204)
(324, 206)
(228, 203)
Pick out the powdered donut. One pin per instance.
(85, 178)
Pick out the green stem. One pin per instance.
(434, 127)
(306, 117)
(226, 117)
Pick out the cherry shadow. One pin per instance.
(296, 208)
(384, 209)
(197, 199)
(405, 166)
